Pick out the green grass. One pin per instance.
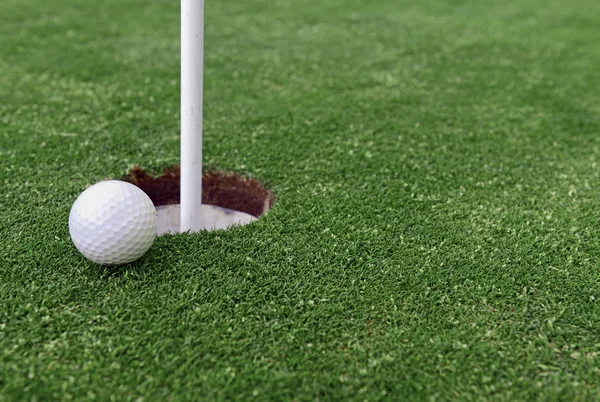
(437, 230)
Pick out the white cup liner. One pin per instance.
(213, 218)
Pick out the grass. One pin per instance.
(436, 235)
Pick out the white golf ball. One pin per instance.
(113, 223)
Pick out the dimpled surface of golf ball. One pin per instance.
(113, 223)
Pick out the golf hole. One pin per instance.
(228, 199)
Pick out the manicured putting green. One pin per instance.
(436, 233)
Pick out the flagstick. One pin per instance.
(192, 55)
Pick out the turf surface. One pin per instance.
(436, 234)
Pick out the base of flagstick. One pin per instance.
(213, 218)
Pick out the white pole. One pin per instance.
(192, 55)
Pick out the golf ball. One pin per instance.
(113, 223)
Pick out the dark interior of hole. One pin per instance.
(226, 190)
